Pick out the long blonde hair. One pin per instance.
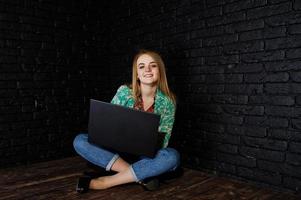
(162, 80)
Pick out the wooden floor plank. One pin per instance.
(57, 180)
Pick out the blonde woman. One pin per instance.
(148, 92)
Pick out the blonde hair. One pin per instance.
(162, 80)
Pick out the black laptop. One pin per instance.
(123, 129)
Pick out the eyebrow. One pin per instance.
(149, 63)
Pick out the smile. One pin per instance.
(148, 75)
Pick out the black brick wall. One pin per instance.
(234, 65)
(52, 60)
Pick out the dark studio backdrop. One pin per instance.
(234, 66)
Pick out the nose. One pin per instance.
(148, 68)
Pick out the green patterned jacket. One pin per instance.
(163, 106)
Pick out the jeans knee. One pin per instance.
(173, 157)
(79, 141)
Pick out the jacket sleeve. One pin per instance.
(167, 121)
(120, 96)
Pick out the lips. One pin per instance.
(148, 75)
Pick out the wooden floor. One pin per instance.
(57, 180)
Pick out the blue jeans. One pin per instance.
(166, 159)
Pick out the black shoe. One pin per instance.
(83, 184)
(171, 175)
(150, 184)
(96, 174)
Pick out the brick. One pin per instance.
(228, 148)
(268, 10)
(236, 159)
(292, 183)
(267, 177)
(255, 78)
(8, 60)
(298, 100)
(234, 17)
(292, 170)
(263, 77)
(219, 40)
(280, 134)
(296, 76)
(243, 110)
(280, 43)
(15, 76)
(4, 144)
(271, 166)
(262, 56)
(295, 88)
(275, 1)
(214, 3)
(293, 53)
(206, 51)
(236, 99)
(208, 126)
(255, 131)
(227, 168)
(277, 88)
(271, 155)
(274, 32)
(233, 78)
(195, 61)
(282, 111)
(295, 147)
(207, 32)
(237, 6)
(7, 85)
(287, 18)
(277, 122)
(215, 78)
(294, 136)
(293, 159)
(244, 89)
(205, 108)
(244, 26)
(272, 100)
(245, 68)
(277, 145)
(294, 29)
(251, 35)
(8, 17)
(211, 69)
(215, 89)
(198, 99)
(195, 79)
(230, 139)
(244, 47)
(262, 154)
(297, 5)
(277, 77)
(235, 130)
(282, 66)
(224, 118)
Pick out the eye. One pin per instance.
(140, 66)
(153, 65)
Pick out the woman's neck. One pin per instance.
(148, 91)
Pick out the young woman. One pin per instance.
(148, 92)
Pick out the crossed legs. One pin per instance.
(166, 159)
(124, 175)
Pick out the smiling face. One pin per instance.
(147, 70)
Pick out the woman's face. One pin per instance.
(147, 70)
